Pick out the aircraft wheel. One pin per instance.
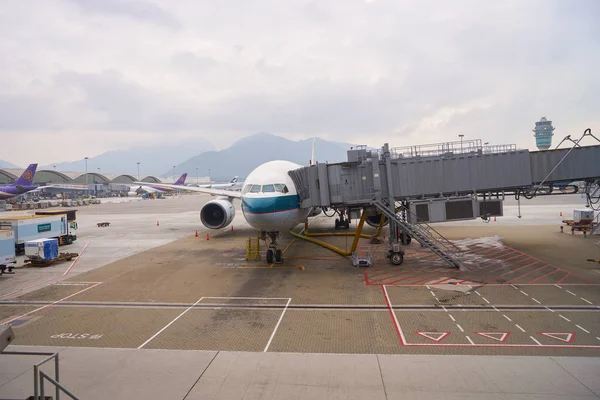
(269, 256)
(397, 258)
(278, 256)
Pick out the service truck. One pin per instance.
(7, 251)
(32, 227)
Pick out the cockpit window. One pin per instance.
(284, 189)
(268, 189)
(255, 189)
(277, 187)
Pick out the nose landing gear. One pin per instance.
(274, 254)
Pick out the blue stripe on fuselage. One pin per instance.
(265, 205)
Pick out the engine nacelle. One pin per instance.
(374, 220)
(131, 194)
(315, 211)
(217, 214)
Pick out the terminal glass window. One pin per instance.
(268, 189)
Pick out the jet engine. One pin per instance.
(132, 194)
(217, 214)
(374, 220)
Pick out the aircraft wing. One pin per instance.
(214, 192)
(63, 187)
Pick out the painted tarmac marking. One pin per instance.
(494, 335)
(452, 318)
(560, 287)
(77, 259)
(477, 293)
(469, 339)
(514, 287)
(435, 336)
(536, 300)
(433, 294)
(568, 291)
(549, 309)
(506, 316)
(565, 318)
(582, 328)
(568, 336)
(522, 330)
(535, 340)
(53, 303)
(170, 323)
(524, 293)
(484, 299)
(587, 301)
(460, 327)
(277, 326)
(494, 307)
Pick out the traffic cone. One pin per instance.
(196, 233)
(157, 224)
(561, 229)
(561, 213)
(231, 228)
(494, 219)
(207, 238)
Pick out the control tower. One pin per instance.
(543, 133)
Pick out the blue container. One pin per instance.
(45, 249)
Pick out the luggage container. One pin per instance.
(42, 249)
(7, 251)
(583, 216)
(32, 227)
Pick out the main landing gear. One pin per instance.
(274, 254)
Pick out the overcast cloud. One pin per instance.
(80, 77)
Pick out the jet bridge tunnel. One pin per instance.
(442, 182)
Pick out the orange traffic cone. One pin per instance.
(157, 224)
(561, 213)
(232, 228)
(494, 219)
(207, 238)
(196, 233)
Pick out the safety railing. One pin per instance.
(450, 148)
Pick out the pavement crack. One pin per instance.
(381, 375)
(197, 380)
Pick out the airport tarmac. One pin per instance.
(147, 282)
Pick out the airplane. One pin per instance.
(25, 184)
(231, 184)
(270, 204)
(145, 187)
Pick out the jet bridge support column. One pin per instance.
(396, 254)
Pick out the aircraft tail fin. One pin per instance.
(26, 178)
(234, 180)
(181, 179)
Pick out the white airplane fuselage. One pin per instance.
(272, 210)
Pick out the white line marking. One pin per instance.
(469, 339)
(444, 308)
(452, 318)
(524, 293)
(478, 294)
(438, 300)
(535, 340)
(250, 298)
(514, 287)
(470, 287)
(560, 287)
(77, 259)
(565, 318)
(460, 327)
(51, 304)
(387, 298)
(549, 309)
(427, 286)
(568, 291)
(522, 330)
(505, 316)
(534, 299)
(583, 329)
(486, 300)
(494, 307)
(586, 300)
(597, 337)
(171, 323)
(277, 326)
(433, 294)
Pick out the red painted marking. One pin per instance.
(510, 272)
(435, 336)
(498, 336)
(444, 280)
(408, 277)
(528, 273)
(27, 287)
(567, 336)
(377, 281)
(561, 280)
(543, 276)
(387, 300)
(432, 277)
(77, 259)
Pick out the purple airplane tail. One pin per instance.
(26, 178)
(181, 179)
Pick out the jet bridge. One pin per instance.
(440, 182)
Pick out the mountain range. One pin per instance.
(248, 153)
(154, 160)
(6, 164)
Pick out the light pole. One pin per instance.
(86, 175)
(138, 164)
(197, 175)
(174, 177)
(209, 179)
(461, 136)
(98, 174)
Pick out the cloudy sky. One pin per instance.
(79, 77)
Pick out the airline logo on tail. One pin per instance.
(234, 180)
(181, 179)
(26, 178)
